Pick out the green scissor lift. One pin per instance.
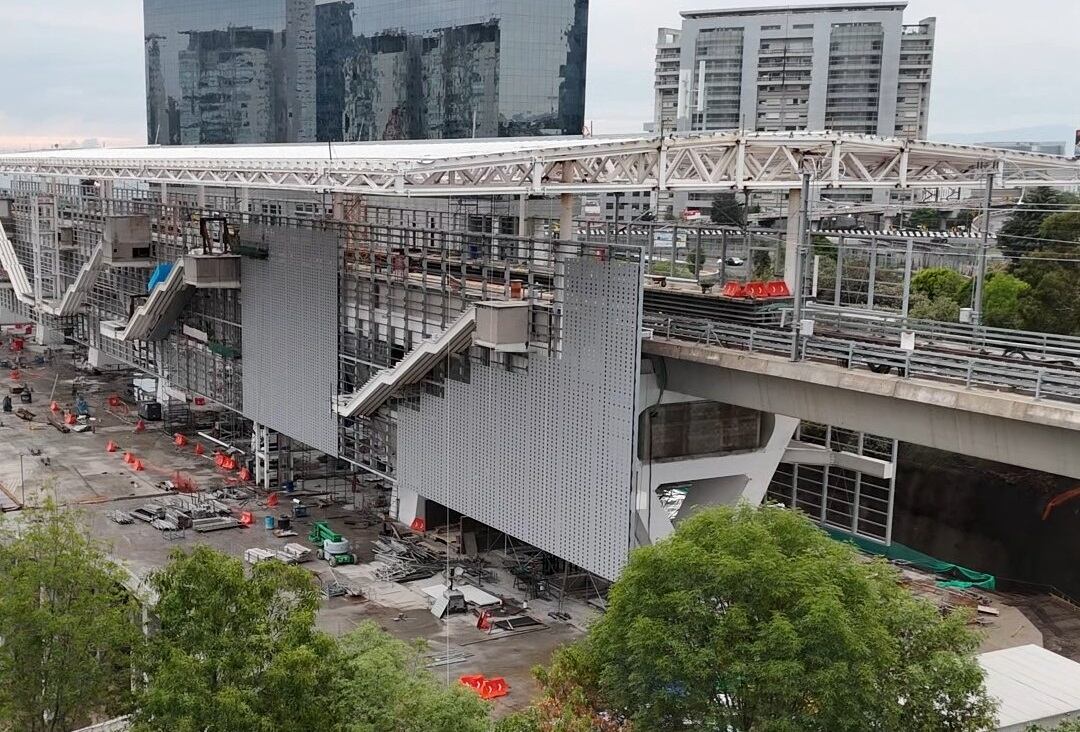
(332, 546)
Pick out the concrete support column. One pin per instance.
(566, 217)
(791, 242)
(410, 504)
(47, 336)
(200, 196)
(337, 201)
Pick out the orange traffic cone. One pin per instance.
(111, 446)
(137, 464)
(140, 426)
(199, 449)
(54, 407)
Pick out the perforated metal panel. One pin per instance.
(289, 307)
(544, 454)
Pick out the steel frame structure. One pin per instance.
(720, 161)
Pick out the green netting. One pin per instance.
(958, 577)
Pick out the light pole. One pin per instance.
(800, 256)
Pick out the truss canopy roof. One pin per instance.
(721, 161)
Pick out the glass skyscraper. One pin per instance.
(251, 71)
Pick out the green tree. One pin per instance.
(68, 626)
(379, 684)
(754, 619)
(235, 651)
(727, 210)
(937, 282)
(1019, 235)
(942, 309)
(925, 218)
(1002, 296)
(1052, 305)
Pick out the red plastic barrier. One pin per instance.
(494, 688)
(777, 288)
(756, 289)
(732, 289)
(111, 446)
(418, 524)
(474, 681)
(199, 449)
(54, 407)
(179, 440)
(140, 426)
(272, 500)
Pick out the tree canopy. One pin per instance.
(1020, 233)
(238, 650)
(754, 619)
(68, 627)
(727, 210)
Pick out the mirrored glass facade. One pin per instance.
(249, 71)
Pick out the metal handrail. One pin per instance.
(972, 372)
(970, 336)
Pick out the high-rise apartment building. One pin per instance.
(850, 67)
(853, 67)
(250, 71)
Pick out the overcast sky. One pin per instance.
(73, 69)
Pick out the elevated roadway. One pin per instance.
(1017, 429)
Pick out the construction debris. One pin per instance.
(120, 517)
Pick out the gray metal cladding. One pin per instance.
(289, 303)
(544, 454)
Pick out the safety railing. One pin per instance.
(1020, 343)
(973, 372)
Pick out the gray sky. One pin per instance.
(74, 68)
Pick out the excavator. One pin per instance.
(332, 546)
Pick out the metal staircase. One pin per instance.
(73, 296)
(151, 320)
(411, 369)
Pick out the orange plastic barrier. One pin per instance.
(199, 449)
(54, 407)
(732, 289)
(140, 426)
(418, 524)
(111, 446)
(474, 681)
(494, 688)
(69, 418)
(777, 288)
(246, 518)
(179, 440)
(755, 289)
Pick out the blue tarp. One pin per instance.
(159, 275)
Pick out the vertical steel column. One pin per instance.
(723, 257)
(800, 255)
(825, 474)
(892, 493)
(858, 489)
(906, 305)
(871, 273)
(980, 270)
(839, 279)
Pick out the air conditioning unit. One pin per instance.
(502, 325)
(127, 240)
(212, 271)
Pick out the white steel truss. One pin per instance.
(719, 161)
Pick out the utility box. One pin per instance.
(127, 240)
(212, 271)
(502, 325)
(65, 236)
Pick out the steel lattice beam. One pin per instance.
(721, 161)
